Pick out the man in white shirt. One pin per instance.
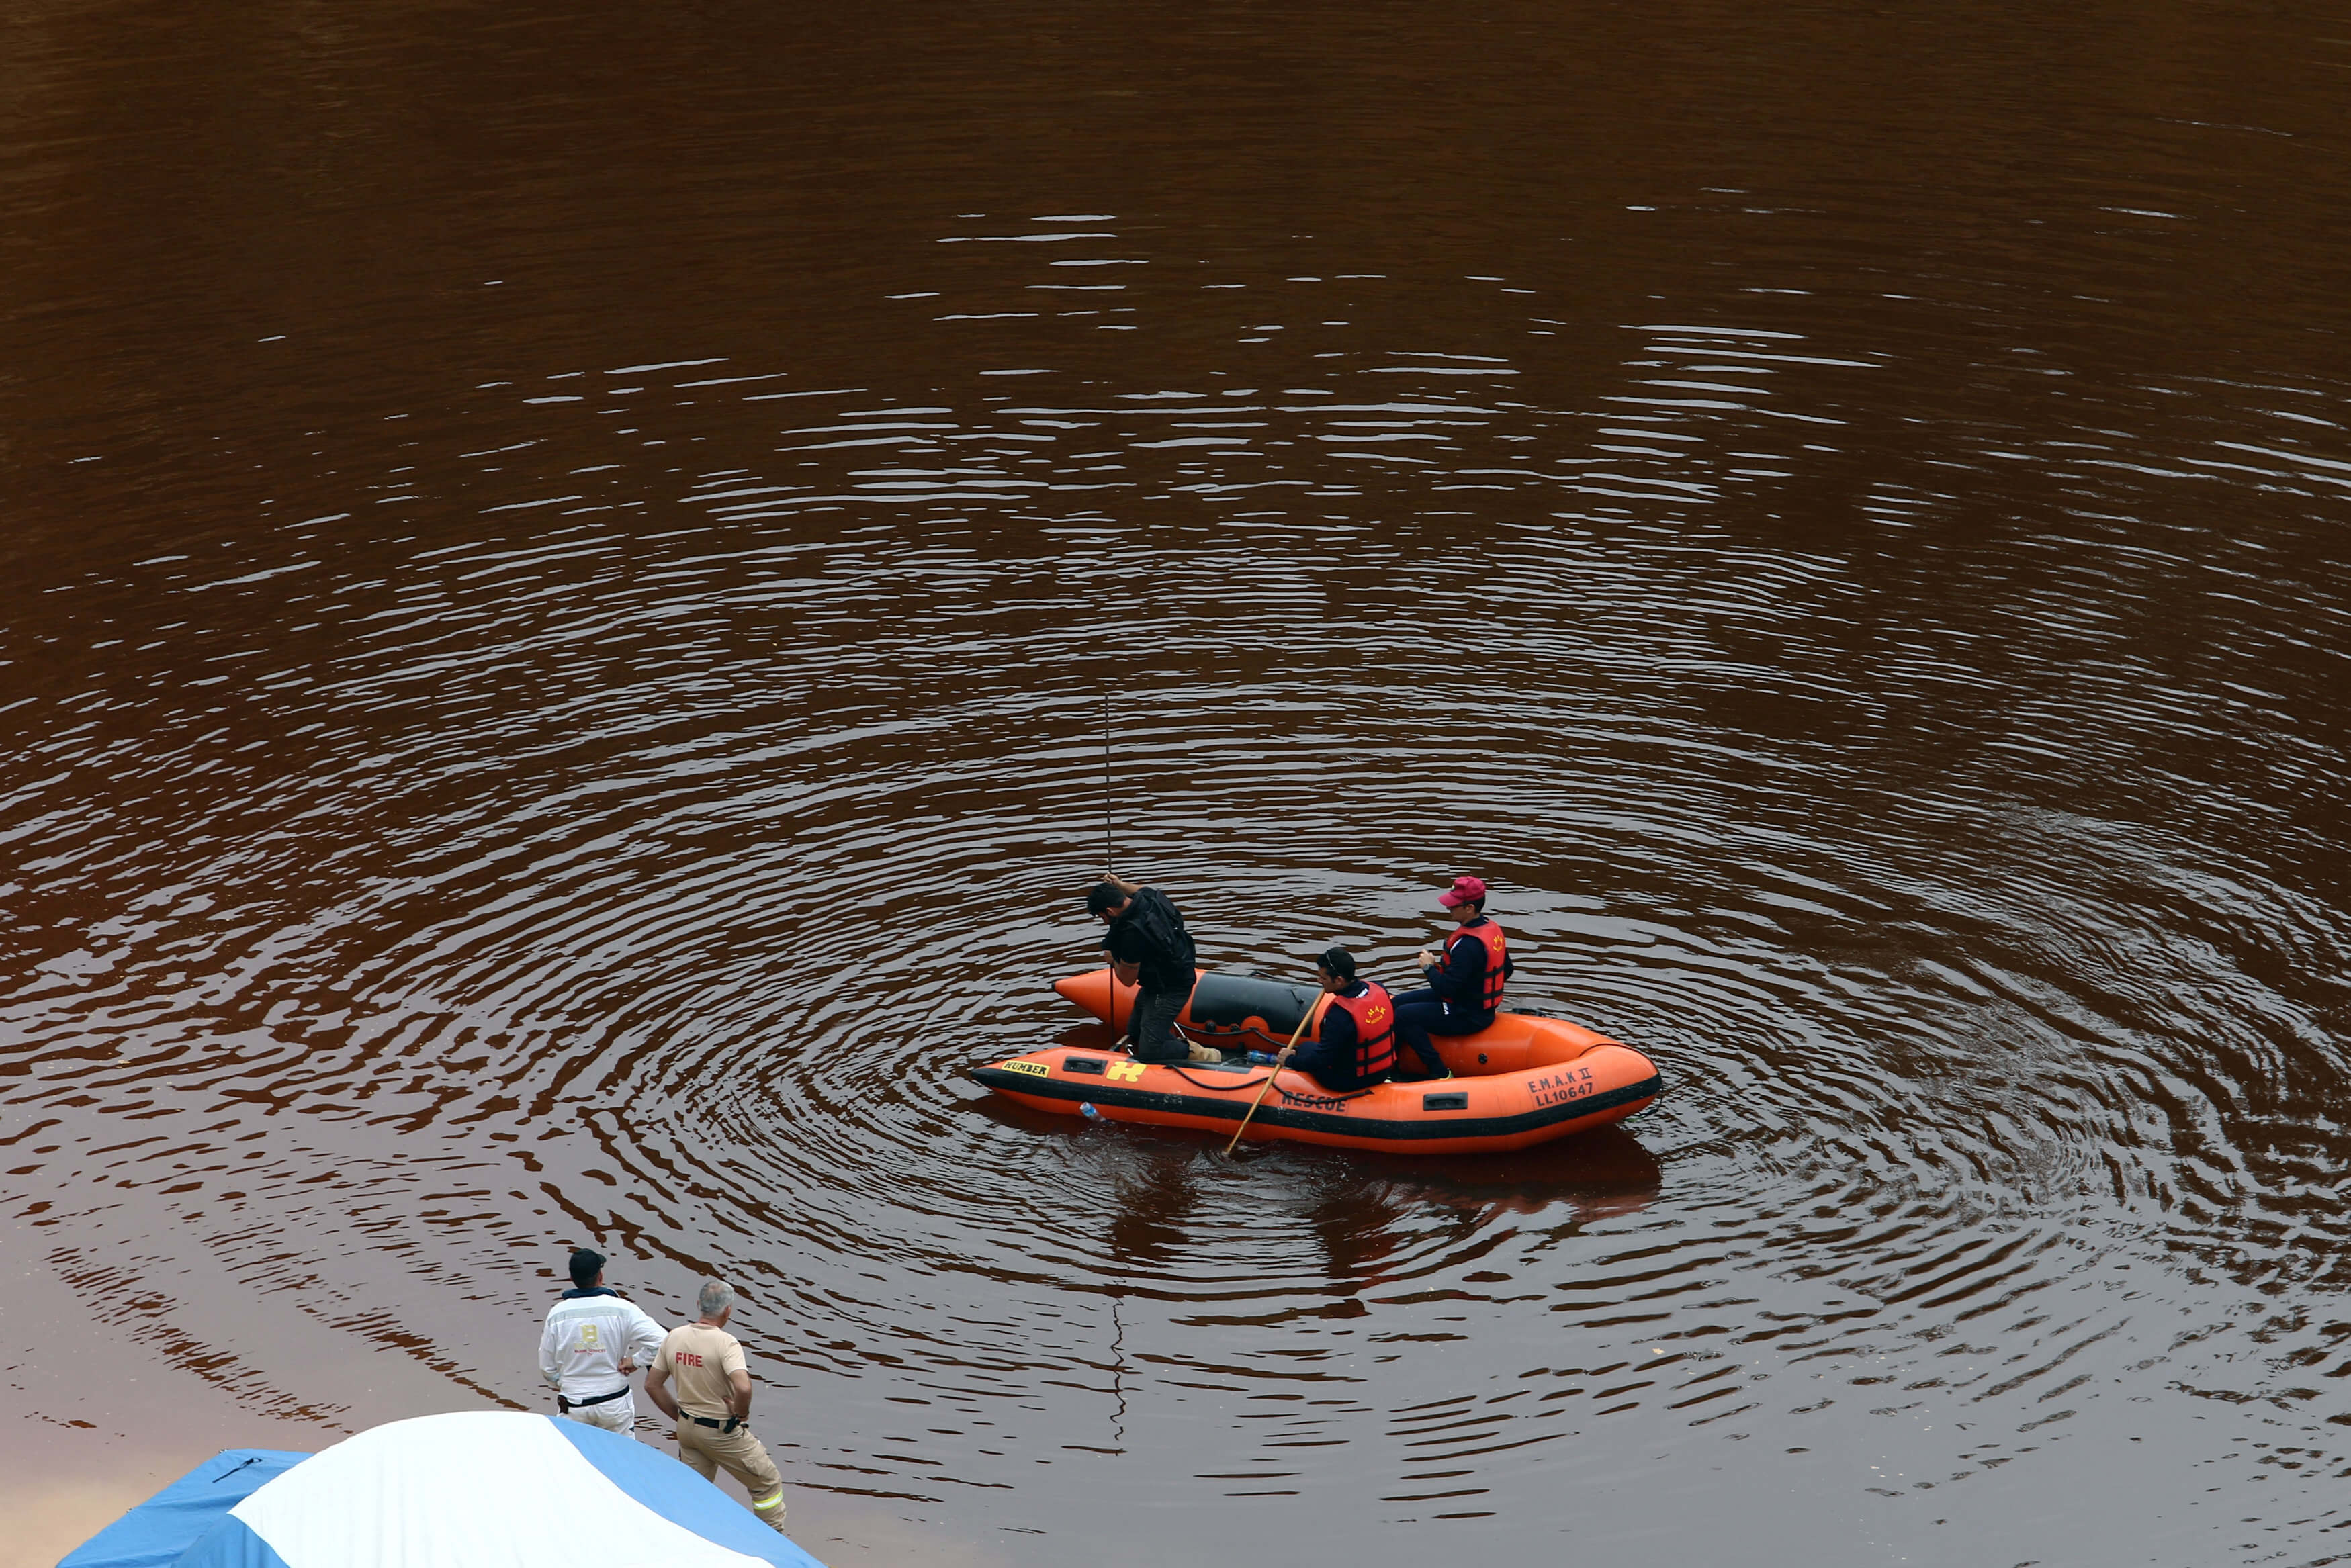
(593, 1342)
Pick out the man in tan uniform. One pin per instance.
(712, 1407)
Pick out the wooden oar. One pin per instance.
(1273, 1072)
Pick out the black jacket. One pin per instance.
(1150, 933)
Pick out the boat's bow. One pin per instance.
(1094, 992)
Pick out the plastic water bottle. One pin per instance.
(1086, 1109)
(1261, 1059)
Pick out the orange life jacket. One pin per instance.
(1375, 1016)
(1498, 954)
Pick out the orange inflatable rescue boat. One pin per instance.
(1525, 1081)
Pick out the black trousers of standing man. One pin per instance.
(1151, 1028)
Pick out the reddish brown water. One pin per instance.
(560, 568)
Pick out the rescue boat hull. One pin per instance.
(1523, 1082)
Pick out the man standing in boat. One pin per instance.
(593, 1341)
(1464, 981)
(1149, 947)
(1354, 1045)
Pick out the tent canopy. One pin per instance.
(158, 1532)
(488, 1489)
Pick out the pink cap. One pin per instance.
(1465, 891)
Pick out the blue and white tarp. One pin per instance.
(487, 1489)
(158, 1532)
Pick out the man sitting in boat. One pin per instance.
(1354, 1045)
(1465, 980)
(1149, 947)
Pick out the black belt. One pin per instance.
(564, 1403)
(721, 1427)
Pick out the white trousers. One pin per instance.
(613, 1415)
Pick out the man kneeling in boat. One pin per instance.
(1149, 947)
(1354, 1045)
(1465, 982)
